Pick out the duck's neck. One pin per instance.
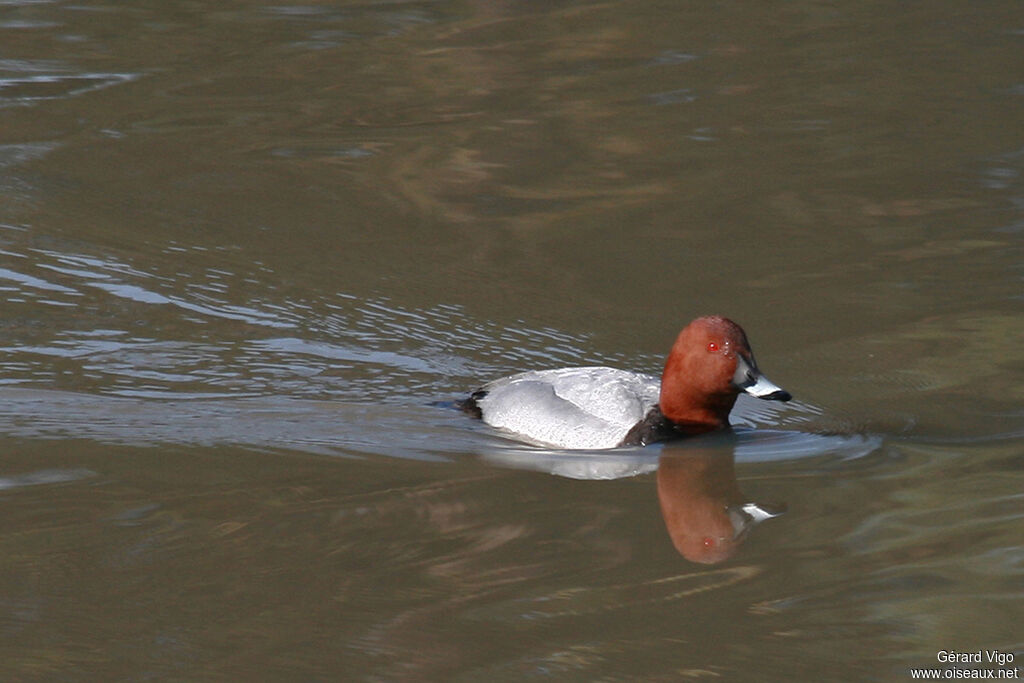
(693, 414)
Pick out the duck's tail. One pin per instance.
(470, 405)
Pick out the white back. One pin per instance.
(589, 407)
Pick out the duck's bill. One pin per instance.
(749, 379)
(762, 388)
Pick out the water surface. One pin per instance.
(250, 253)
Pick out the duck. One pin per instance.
(597, 407)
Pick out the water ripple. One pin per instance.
(29, 89)
(35, 282)
(41, 477)
(200, 322)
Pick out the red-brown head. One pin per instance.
(709, 365)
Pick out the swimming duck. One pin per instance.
(601, 407)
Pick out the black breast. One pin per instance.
(653, 428)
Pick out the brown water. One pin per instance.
(250, 250)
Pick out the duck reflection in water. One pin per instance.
(705, 513)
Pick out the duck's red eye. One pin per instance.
(712, 347)
(708, 541)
